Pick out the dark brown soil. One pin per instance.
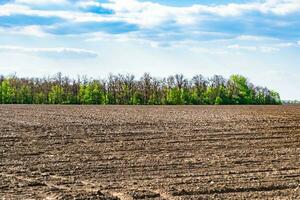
(149, 152)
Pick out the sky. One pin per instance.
(259, 39)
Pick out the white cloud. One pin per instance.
(299, 42)
(109, 37)
(73, 16)
(148, 14)
(263, 49)
(281, 7)
(33, 30)
(41, 2)
(9, 9)
(212, 51)
(86, 4)
(239, 47)
(61, 52)
(286, 44)
(151, 14)
(268, 49)
(150, 17)
(254, 38)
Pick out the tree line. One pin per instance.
(127, 90)
(291, 102)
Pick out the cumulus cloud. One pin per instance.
(149, 13)
(52, 52)
(158, 23)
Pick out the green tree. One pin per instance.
(1, 99)
(40, 98)
(137, 98)
(275, 97)
(174, 96)
(56, 95)
(218, 101)
(7, 92)
(25, 95)
(98, 96)
(242, 92)
(124, 89)
(88, 95)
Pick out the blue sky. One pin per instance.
(259, 39)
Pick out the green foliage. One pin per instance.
(56, 94)
(137, 98)
(218, 101)
(124, 89)
(40, 98)
(91, 93)
(25, 96)
(174, 96)
(7, 92)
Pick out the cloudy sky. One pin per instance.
(259, 39)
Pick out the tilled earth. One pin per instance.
(149, 152)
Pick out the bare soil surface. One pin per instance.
(149, 152)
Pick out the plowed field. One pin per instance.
(149, 152)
